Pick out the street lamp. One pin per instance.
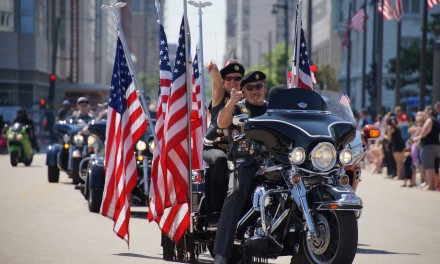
(286, 28)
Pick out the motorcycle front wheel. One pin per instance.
(336, 240)
(14, 158)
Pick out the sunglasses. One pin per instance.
(257, 86)
(233, 78)
(83, 103)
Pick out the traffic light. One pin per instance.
(52, 78)
(42, 103)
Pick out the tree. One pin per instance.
(279, 68)
(326, 77)
(410, 62)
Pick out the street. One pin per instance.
(50, 223)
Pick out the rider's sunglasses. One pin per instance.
(233, 78)
(257, 86)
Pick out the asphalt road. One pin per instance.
(50, 223)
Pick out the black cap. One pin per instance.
(233, 67)
(253, 76)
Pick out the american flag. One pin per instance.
(398, 10)
(432, 3)
(345, 100)
(158, 175)
(196, 118)
(305, 80)
(357, 20)
(126, 122)
(387, 11)
(175, 219)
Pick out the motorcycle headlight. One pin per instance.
(323, 156)
(346, 157)
(91, 140)
(78, 139)
(66, 138)
(297, 156)
(141, 145)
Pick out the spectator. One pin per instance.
(396, 145)
(429, 146)
(362, 119)
(402, 122)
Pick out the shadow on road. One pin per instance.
(135, 256)
(377, 251)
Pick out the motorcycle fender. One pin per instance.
(327, 197)
(52, 154)
(97, 174)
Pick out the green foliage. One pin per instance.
(278, 63)
(150, 84)
(410, 59)
(325, 76)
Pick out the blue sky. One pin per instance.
(214, 27)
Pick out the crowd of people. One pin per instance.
(409, 147)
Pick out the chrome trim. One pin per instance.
(81, 163)
(299, 128)
(245, 217)
(299, 192)
(280, 219)
(317, 172)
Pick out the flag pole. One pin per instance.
(200, 5)
(295, 65)
(189, 107)
(115, 9)
(364, 55)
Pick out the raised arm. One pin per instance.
(217, 83)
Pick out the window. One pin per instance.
(41, 18)
(7, 15)
(412, 6)
(27, 23)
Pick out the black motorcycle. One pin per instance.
(303, 204)
(94, 175)
(67, 154)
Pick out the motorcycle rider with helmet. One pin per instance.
(22, 118)
(242, 154)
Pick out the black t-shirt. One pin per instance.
(243, 148)
(216, 137)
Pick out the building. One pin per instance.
(255, 27)
(73, 39)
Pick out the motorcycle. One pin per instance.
(67, 154)
(303, 204)
(19, 144)
(95, 173)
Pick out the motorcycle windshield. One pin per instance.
(16, 127)
(303, 100)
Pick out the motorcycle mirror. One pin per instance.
(240, 120)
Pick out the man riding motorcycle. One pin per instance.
(23, 119)
(242, 157)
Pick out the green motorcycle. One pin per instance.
(19, 144)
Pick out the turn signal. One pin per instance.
(295, 179)
(344, 180)
(66, 146)
(333, 206)
(374, 133)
